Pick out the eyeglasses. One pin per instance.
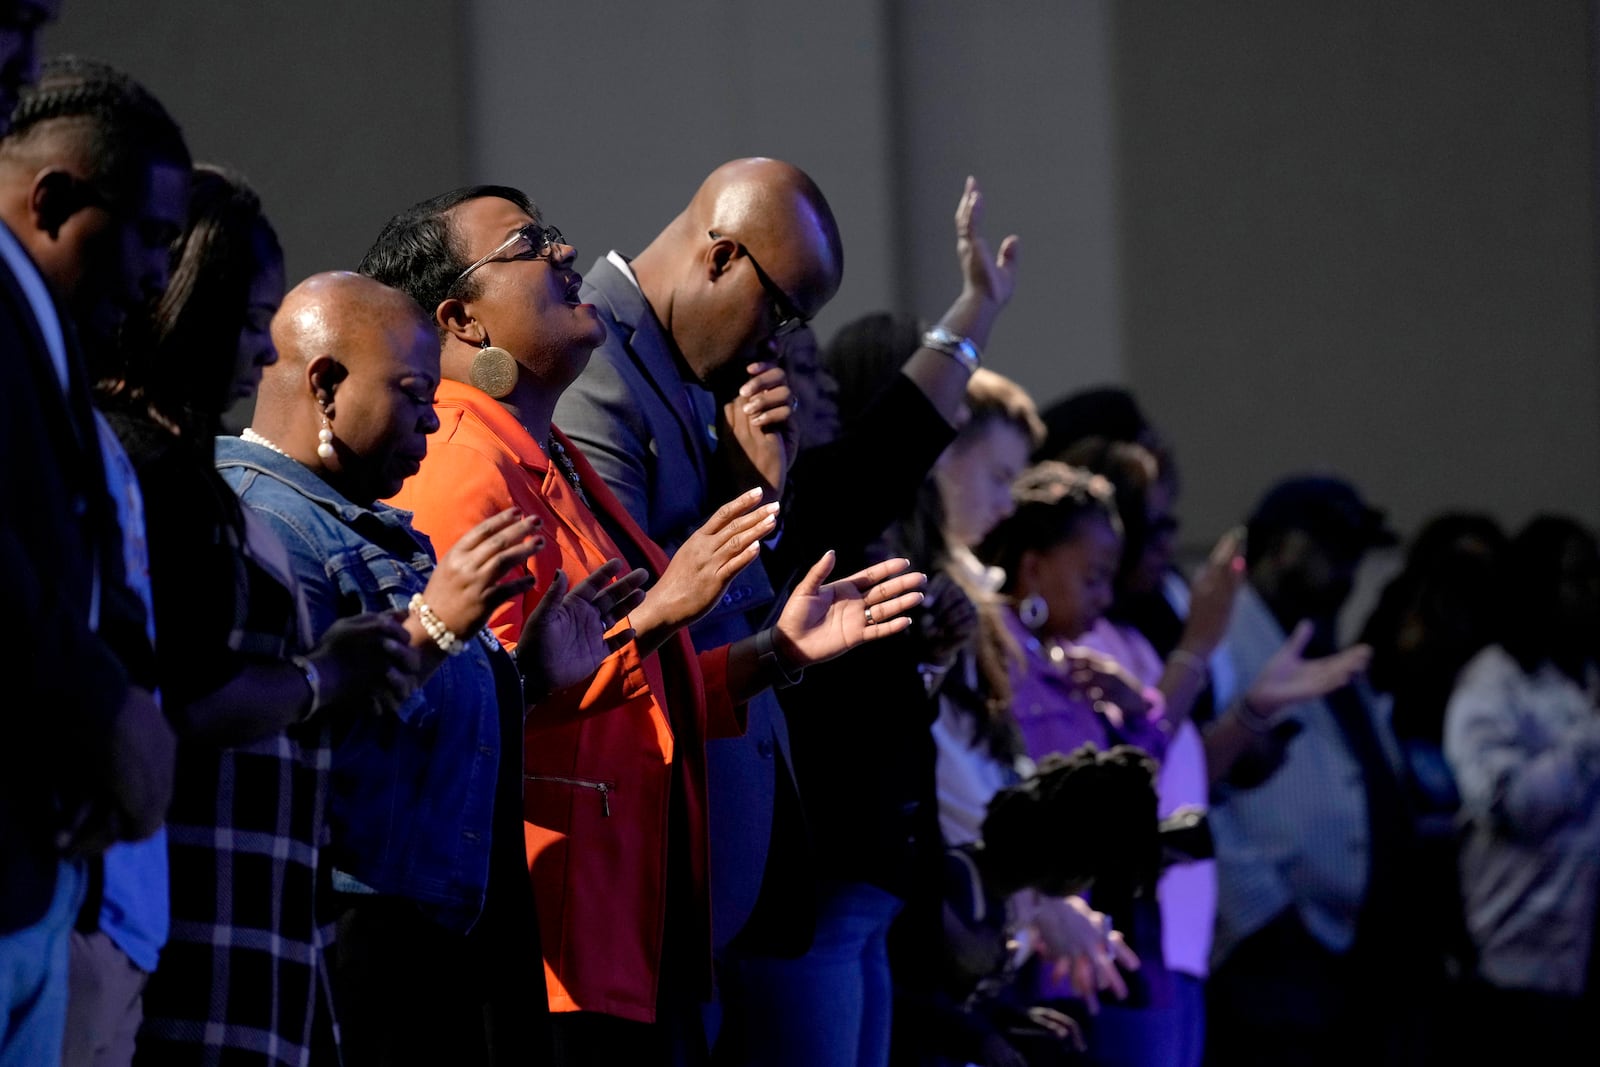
(786, 318)
(532, 241)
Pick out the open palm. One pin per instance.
(1288, 678)
(564, 638)
(821, 621)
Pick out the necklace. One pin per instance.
(249, 434)
(564, 461)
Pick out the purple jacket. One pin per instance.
(1055, 715)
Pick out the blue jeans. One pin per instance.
(33, 978)
(831, 1007)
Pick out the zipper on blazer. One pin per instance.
(603, 788)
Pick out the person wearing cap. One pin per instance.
(1309, 956)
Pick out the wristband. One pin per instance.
(771, 663)
(953, 344)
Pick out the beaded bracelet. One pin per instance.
(448, 643)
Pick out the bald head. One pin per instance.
(774, 208)
(756, 245)
(363, 356)
(335, 314)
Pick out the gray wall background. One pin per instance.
(1353, 235)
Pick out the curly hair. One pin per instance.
(1088, 817)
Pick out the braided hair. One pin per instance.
(121, 126)
(1088, 817)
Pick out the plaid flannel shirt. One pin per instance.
(243, 978)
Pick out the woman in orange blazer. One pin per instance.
(615, 796)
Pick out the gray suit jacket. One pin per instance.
(651, 435)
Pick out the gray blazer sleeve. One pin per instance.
(599, 413)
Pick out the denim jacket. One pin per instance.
(412, 793)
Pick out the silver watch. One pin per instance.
(953, 344)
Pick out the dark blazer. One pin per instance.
(66, 682)
(651, 436)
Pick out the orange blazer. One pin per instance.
(598, 756)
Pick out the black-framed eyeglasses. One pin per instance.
(532, 241)
(786, 318)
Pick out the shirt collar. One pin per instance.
(33, 286)
(236, 452)
(624, 268)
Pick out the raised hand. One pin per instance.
(703, 566)
(366, 662)
(469, 581)
(564, 639)
(1289, 679)
(758, 419)
(1212, 596)
(1247, 745)
(821, 621)
(990, 278)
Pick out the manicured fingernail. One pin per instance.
(772, 507)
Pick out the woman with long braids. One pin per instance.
(240, 679)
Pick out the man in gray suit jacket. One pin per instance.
(683, 406)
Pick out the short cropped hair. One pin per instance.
(420, 251)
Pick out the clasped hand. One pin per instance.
(766, 438)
